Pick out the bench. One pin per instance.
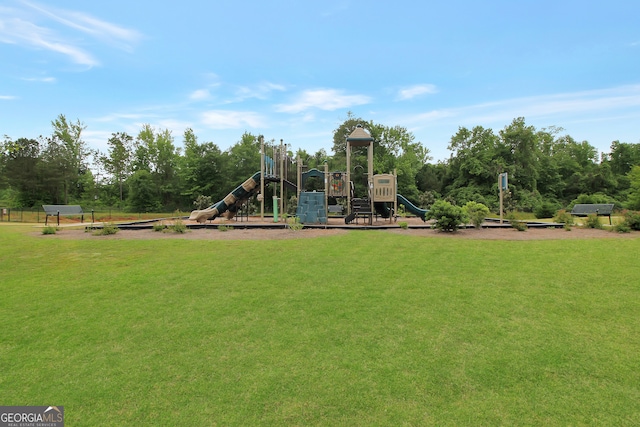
(362, 209)
(336, 209)
(64, 210)
(599, 209)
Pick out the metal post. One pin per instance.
(348, 177)
(262, 178)
(281, 177)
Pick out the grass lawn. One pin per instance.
(362, 329)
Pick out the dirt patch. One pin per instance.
(237, 233)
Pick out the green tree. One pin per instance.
(155, 152)
(143, 192)
(118, 160)
(22, 169)
(634, 195)
(243, 159)
(623, 157)
(201, 170)
(478, 157)
(72, 154)
(522, 141)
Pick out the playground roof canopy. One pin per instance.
(359, 137)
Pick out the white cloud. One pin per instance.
(19, 27)
(417, 90)
(7, 97)
(555, 106)
(40, 79)
(323, 99)
(260, 91)
(200, 94)
(223, 119)
(106, 31)
(18, 31)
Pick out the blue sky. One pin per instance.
(293, 69)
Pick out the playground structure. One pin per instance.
(313, 206)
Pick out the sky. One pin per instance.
(293, 70)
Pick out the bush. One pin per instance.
(49, 230)
(622, 228)
(519, 225)
(158, 227)
(545, 210)
(294, 223)
(178, 226)
(447, 216)
(592, 221)
(403, 224)
(515, 223)
(632, 219)
(564, 217)
(106, 230)
(476, 212)
(292, 206)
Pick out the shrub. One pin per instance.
(622, 228)
(563, 217)
(515, 223)
(592, 221)
(447, 216)
(294, 223)
(292, 206)
(545, 210)
(519, 225)
(476, 212)
(179, 226)
(632, 219)
(106, 230)
(403, 224)
(49, 230)
(158, 227)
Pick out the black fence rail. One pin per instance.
(101, 214)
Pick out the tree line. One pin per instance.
(148, 172)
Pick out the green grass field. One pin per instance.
(364, 329)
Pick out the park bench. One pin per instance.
(62, 210)
(362, 209)
(599, 209)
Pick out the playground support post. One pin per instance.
(261, 177)
(281, 173)
(326, 190)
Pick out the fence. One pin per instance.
(101, 214)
